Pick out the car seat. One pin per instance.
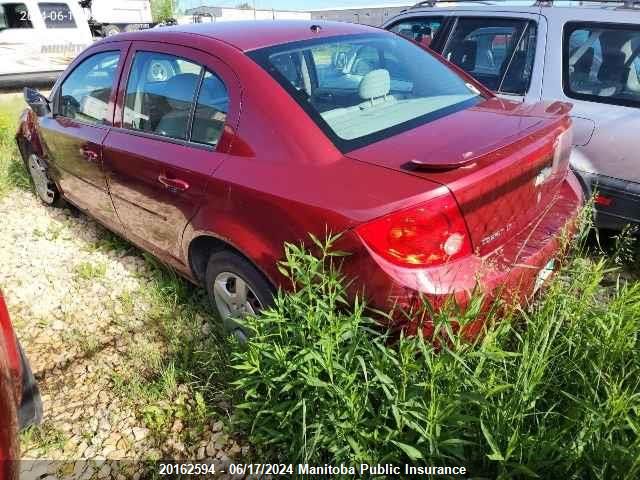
(464, 55)
(613, 73)
(178, 93)
(513, 75)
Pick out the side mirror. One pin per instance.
(38, 102)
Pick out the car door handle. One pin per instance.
(173, 184)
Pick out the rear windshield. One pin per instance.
(363, 88)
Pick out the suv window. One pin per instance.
(498, 52)
(420, 30)
(602, 63)
(160, 95)
(85, 93)
(14, 15)
(57, 15)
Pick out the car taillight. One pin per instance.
(428, 234)
(603, 200)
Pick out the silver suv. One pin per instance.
(586, 54)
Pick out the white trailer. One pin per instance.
(109, 17)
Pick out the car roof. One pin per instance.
(249, 35)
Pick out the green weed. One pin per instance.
(321, 381)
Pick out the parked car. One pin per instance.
(211, 145)
(39, 39)
(20, 403)
(586, 54)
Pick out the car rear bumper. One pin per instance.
(511, 272)
(30, 411)
(620, 205)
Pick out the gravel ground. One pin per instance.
(80, 308)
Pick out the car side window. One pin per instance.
(57, 15)
(211, 110)
(420, 30)
(498, 52)
(602, 63)
(85, 93)
(14, 15)
(160, 94)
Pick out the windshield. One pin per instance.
(362, 88)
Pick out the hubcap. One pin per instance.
(42, 182)
(235, 299)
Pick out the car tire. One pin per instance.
(110, 30)
(45, 188)
(236, 288)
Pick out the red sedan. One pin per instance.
(211, 145)
(19, 397)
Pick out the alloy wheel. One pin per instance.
(235, 299)
(45, 188)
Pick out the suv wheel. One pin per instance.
(237, 289)
(110, 30)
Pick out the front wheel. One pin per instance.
(237, 289)
(46, 189)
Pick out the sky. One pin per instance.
(293, 4)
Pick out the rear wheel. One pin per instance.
(46, 189)
(237, 289)
(110, 30)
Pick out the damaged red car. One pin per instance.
(211, 145)
(20, 403)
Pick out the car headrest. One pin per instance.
(375, 84)
(179, 90)
(613, 67)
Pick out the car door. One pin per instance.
(502, 50)
(173, 105)
(499, 50)
(600, 75)
(83, 105)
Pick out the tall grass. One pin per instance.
(550, 390)
(12, 172)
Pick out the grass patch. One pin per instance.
(549, 391)
(178, 375)
(45, 437)
(90, 270)
(12, 171)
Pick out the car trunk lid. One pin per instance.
(498, 159)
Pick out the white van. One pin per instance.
(38, 39)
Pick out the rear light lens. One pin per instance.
(429, 234)
(603, 200)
